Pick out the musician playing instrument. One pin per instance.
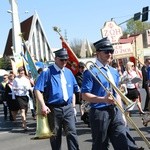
(107, 121)
(59, 101)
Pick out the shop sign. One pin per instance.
(112, 31)
(123, 50)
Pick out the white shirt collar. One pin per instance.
(57, 68)
(101, 65)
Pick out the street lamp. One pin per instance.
(26, 11)
(9, 11)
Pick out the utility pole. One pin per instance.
(16, 30)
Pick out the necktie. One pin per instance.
(110, 78)
(63, 84)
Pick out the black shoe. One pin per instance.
(142, 113)
(26, 129)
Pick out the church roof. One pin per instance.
(25, 29)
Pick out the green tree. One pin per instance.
(5, 63)
(136, 27)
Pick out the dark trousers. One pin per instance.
(63, 117)
(147, 98)
(5, 109)
(107, 124)
(131, 142)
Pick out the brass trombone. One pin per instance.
(127, 101)
(123, 97)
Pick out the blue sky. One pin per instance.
(81, 19)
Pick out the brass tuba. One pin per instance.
(42, 126)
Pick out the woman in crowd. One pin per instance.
(132, 88)
(21, 86)
(10, 97)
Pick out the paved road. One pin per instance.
(12, 137)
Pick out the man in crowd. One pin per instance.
(2, 90)
(106, 120)
(59, 103)
(146, 81)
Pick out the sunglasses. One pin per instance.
(109, 51)
(4, 78)
(63, 59)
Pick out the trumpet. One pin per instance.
(125, 99)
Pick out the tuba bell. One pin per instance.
(42, 126)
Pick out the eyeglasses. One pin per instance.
(109, 51)
(63, 59)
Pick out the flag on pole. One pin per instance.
(30, 61)
(18, 60)
(73, 61)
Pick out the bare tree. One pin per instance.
(76, 46)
